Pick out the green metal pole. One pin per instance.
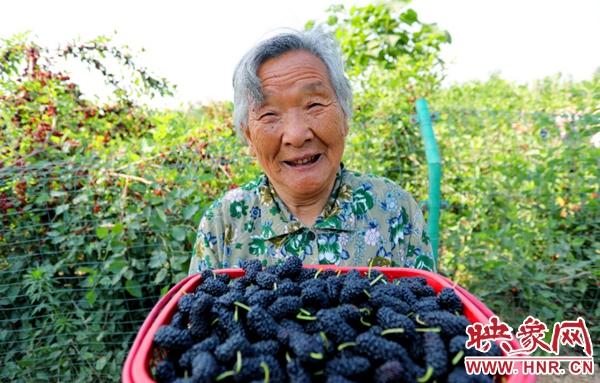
(434, 165)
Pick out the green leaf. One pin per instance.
(189, 211)
(100, 363)
(409, 16)
(91, 297)
(42, 198)
(116, 265)
(161, 214)
(134, 288)
(160, 276)
(61, 209)
(118, 228)
(178, 233)
(158, 259)
(101, 232)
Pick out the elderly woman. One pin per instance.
(292, 105)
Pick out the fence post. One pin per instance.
(434, 165)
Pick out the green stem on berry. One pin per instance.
(305, 317)
(318, 272)
(365, 322)
(324, 337)
(427, 375)
(238, 361)
(305, 312)
(370, 267)
(342, 346)
(431, 329)
(316, 355)
(224, 375)
(376, 279)
(457, 357)
(419, 320)
(240, 304)
(398, 330)
(265, 368)
(367, 293)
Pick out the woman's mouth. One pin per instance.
(306, 161)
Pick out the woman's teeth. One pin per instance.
(304, 161)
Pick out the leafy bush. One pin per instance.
(521, 179)
(99, 206)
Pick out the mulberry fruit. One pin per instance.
(450, 324)
(207, 345)
(393, 372)
(173, 338)
(448, 300)
(353, 290)
(350, 367)
(262, 298)
(284, 307)
(297, 373)
(287, 287)
(261, 323)
(436, 356)
(380, 349)
(265, 347)
(426, 304)
(266, 280)
(380, 299)
(251, 267)
(227, 350)
(204, 367)
(165, 372)
(305, 347)
(337, 329)
(213, 287)
(290, 268)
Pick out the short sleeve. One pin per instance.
(418, 247)
(206, 254)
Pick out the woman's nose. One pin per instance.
(297, 129)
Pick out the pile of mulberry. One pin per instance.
(286, 323)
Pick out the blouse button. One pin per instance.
(311, 236)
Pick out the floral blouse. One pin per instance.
(368, 220)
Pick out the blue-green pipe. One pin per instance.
(434, 164)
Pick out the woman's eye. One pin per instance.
(267, 114)
(314, 105)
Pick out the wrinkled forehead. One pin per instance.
(299, 71)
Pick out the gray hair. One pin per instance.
(246, 84)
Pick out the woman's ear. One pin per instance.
(248, 138)
(345, 127)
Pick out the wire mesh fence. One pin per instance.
(87, 246)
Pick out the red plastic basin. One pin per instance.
(137, 367)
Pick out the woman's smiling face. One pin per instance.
(298, 132)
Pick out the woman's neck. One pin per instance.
(306, 208)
